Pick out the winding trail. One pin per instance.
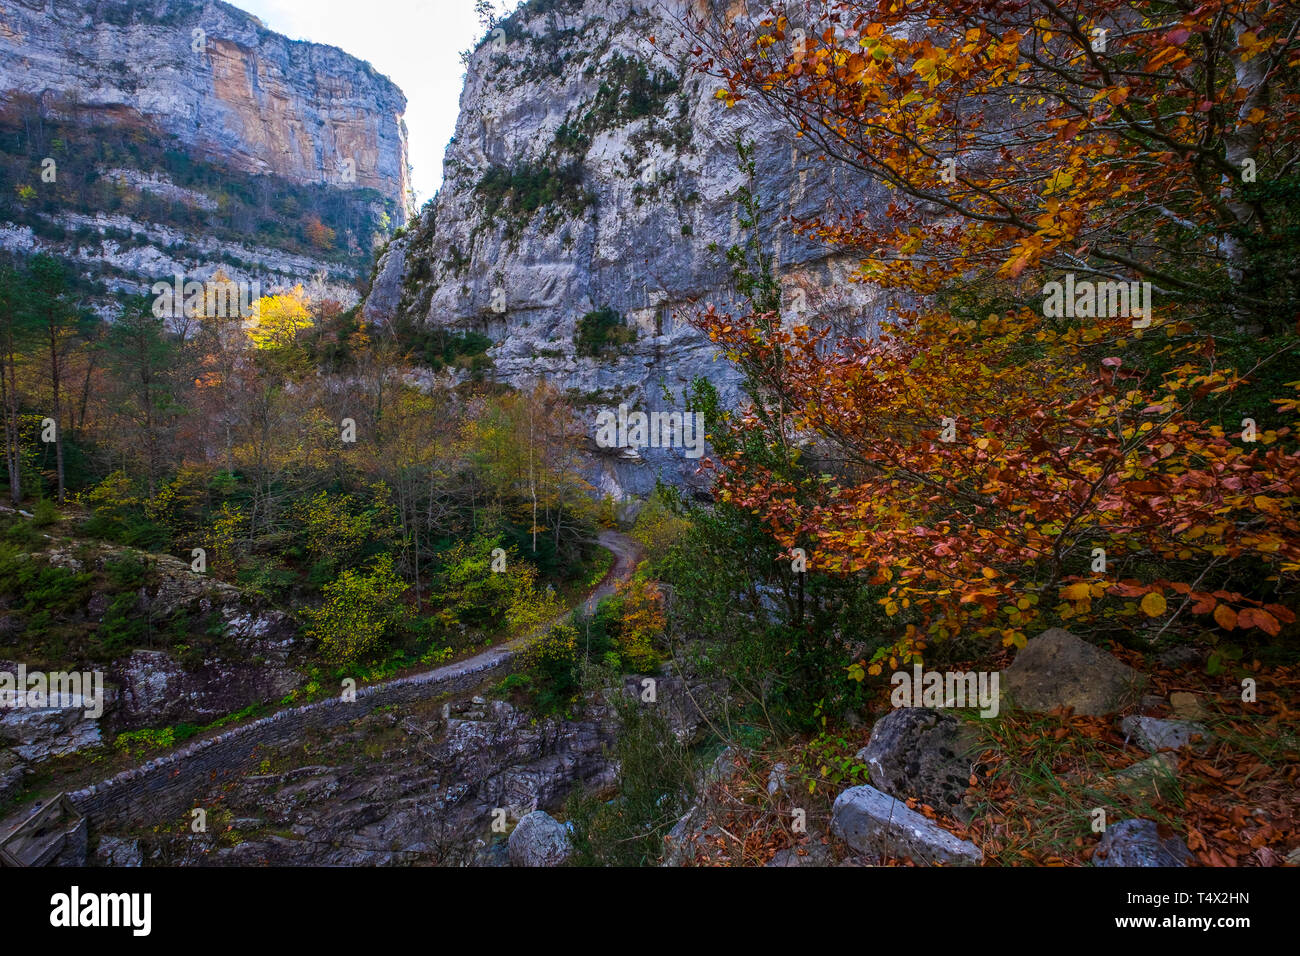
(627, 554)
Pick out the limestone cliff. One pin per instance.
(594, 172)
(286, 157)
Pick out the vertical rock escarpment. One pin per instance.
(235, 91)
(186, 135)
(591, 187)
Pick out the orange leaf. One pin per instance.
(1225, 617)
(1257, 617)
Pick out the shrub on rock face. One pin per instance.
(601, 329)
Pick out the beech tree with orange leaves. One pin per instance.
(1000, 465)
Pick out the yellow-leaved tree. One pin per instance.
(277, 319)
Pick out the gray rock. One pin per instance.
(1057, 669)
(385, 296)
(776, 780)
(117, 851)
(692, 832)
(13, 771)
(539, 840)
(877, 825)
(1154, 733)
(1149, 779)
(155, 688)
(1137, 842)
(39, 733)
(815, 853)
(679, 842)
(924, 754)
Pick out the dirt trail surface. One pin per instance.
(627, 555)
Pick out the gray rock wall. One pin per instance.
(244, 95)
(603, 92)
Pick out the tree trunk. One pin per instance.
(9, 400)
(55, 373)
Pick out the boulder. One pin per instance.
(924, 754)
(815, 853)
(157, 689)
(1137, 842)
(877, 825)
(36, 734)
(1057, 669)
(539, 840)
(1153, 733)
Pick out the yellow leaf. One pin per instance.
(1075, 592)
(1153, 604)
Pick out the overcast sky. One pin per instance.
(415, 43)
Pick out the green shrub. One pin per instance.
(600, 330)
(656, 783)
(362, 613)
(125, 572)
(44, 513)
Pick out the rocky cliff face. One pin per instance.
(272, 134)
(594, 172)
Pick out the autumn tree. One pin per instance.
(278, 319)
(1125, 140)
(223, 345)
(992, 466)
(363, 611)
(318, 234)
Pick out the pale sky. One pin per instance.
(415, 43)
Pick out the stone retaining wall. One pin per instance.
(167, 786)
